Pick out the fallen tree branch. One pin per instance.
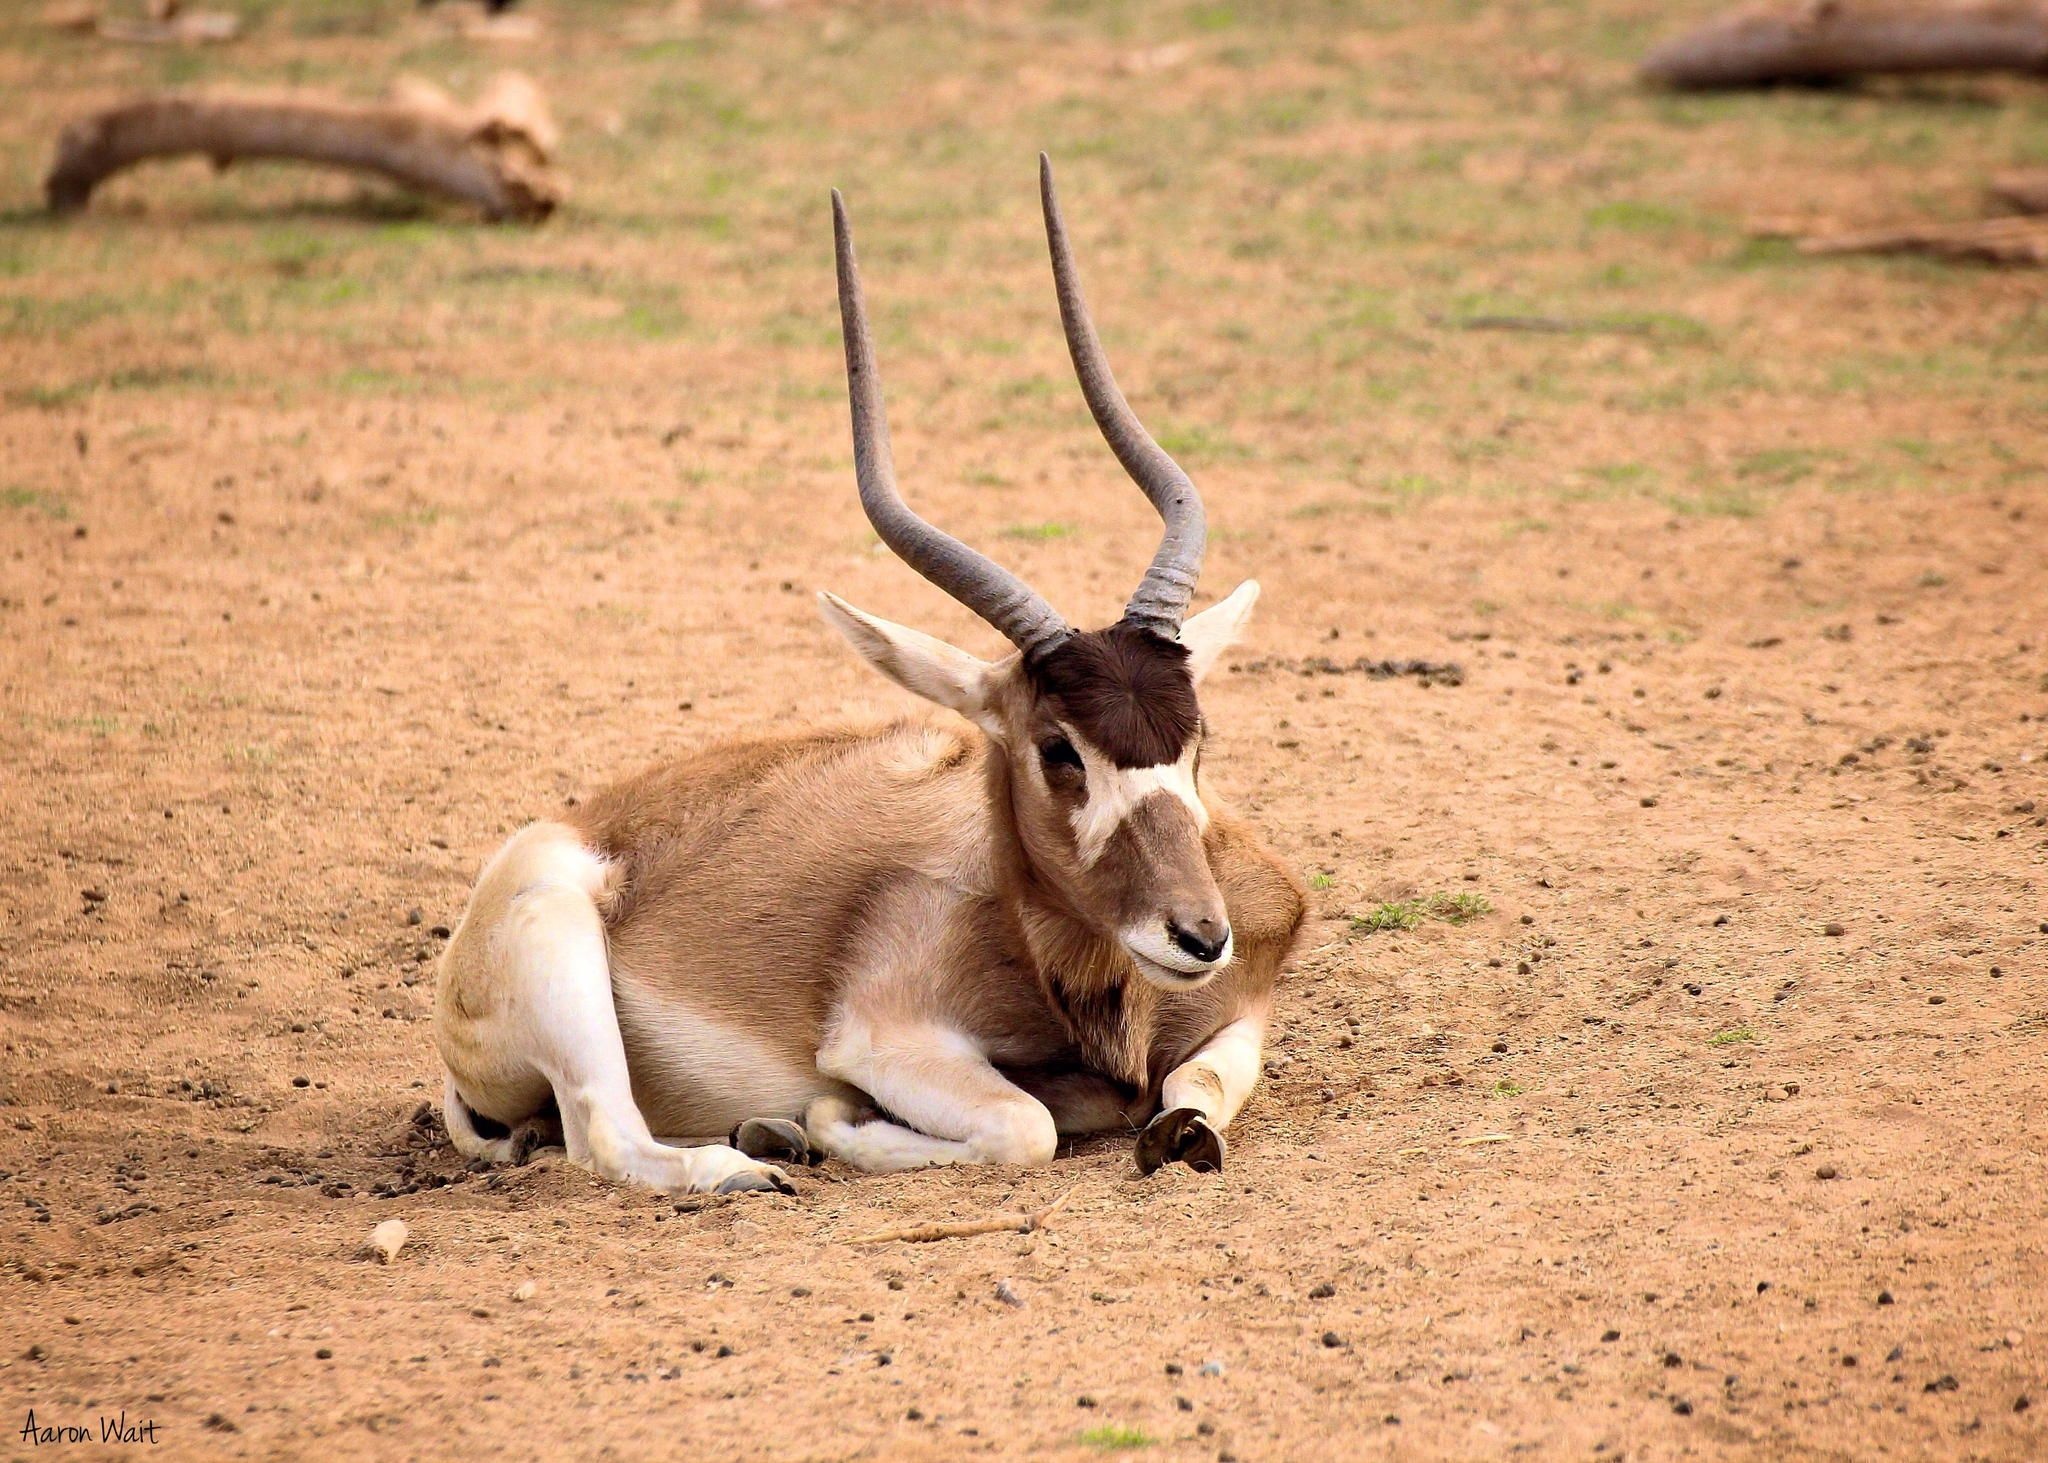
(495, 154)
(2022, 240)
(2025, 192)
(1834, 40)
(921, 1234)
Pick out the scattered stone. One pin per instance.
(325, 1353)
(215, 1422)
(1084, 1400)
(1173, 1369)
(1007, 1294)
(1943, 1383)
(1834, 930)
(1827, 1171)
(1682, 1407)
(1672, 1358)
(1323, 1291)
(527, 1291)
(1332, 1339)
(1212, 1368)
(1610, 1335)
(1884, 1297)
(388, 1238)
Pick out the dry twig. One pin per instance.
(920, 1234)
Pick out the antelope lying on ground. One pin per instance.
(907, 945)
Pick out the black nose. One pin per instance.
(1205, 940)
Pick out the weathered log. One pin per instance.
(1986, 241)
(1834, 40)
(495, 154)
(2022, 192)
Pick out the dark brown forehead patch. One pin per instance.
(1127, 690)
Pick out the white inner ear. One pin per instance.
(1113, 791)
(1215, 629)
(922, 664)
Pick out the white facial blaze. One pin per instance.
(1114, 791)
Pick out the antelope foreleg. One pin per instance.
(1201, 1096)
(953, 1105)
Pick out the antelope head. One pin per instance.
(1098, 732)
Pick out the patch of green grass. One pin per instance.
(1507, 1087)
(1713, 503)
(1039, 532)
(1201, 443)
(1408, 914)
(1634, 216)
(422, 517)
(49, 505)
(1731, 1036)
(1320, 880)
(1115, 1438)
(1778, 464)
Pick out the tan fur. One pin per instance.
(766, 887)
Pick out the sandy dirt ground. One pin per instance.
(341, 537)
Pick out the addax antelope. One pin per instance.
(936, 941)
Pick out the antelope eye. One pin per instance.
(1058, 754)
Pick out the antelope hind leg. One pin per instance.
(526, 1009)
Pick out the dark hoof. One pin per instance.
(751, 1182)
(533, 1135)
(776, 1140)
(1180, 1136)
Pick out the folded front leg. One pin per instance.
(1201, 1096)
(952, 1105)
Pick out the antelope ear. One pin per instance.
(921, 664)
(1216, 629)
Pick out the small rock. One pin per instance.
(1682, 1407)
(388, 1238)
(1323, 1291)
(325, 1353)
(413, 916)
(1884, 1297)
(527, 1291)
(1332, 1339)
(1007, 1294)
(1834, 930)
(1084, 1400)
(1183, 1404)
(1610, 1335)
(1212, 1368)
(1942, 1383)
(1827, 1171)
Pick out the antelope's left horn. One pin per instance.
(1161, 599)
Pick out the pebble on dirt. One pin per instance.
(388, 1238)
(527, 1291)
